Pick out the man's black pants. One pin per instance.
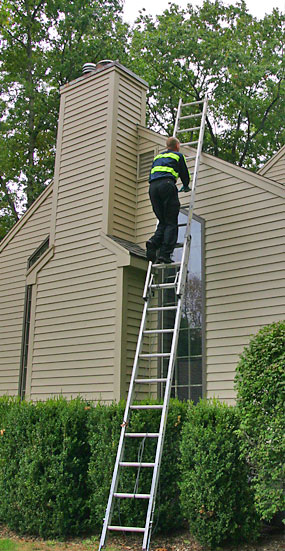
(165, 203)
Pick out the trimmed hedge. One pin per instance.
(260, 383)
(215, 495)
(44, 455)
(104, 425)
(56, 463)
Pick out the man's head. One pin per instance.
(173, 143)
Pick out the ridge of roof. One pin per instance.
(35, 205)
(254, 178)
(272, 161)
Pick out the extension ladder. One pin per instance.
(150, 289)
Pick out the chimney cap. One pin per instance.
(90, 67)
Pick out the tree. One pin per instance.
(230, 55)
(44, 44)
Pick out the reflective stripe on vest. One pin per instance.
(164, 169)
(165, 155)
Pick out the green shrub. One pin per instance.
(260, 398)
(105, 426)
(215, 495)
(6, 403)
(43, 468)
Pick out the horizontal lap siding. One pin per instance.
(276, 170)
(244, 265)
(134, 284)
(74, 331)
(13, 270)
(130, 98)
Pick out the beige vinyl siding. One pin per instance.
(244, 226)
(244, 262)
(275, 167)
(130, 100)
(75, 303)
(15, 251)
(132, 314)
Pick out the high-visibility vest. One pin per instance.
(170, 164)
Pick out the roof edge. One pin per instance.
(271, 162)
(36, 204)
(254, 178)
(106, 69)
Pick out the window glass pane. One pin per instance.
(196, 393)
(196, 371)
(187, 380)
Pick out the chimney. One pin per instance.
(96, 155)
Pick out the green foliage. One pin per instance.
(230, 55)
(44, 455)
(44, 44)
(6, 403)
(104, 423)
(215, 495)
(260, 398)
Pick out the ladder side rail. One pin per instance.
(192, 199)
(177, 117)
(115, 479)
(162, 429)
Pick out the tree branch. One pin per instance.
(266, 113)
(9, 199)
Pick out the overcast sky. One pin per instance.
(258, 8)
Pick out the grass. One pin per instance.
(88, 545)
(8, 545)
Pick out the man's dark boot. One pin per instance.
(165, 259)
(150, 251)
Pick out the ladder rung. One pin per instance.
(132, 496)
(135, 464)
(126, 529)
(189, 143)
(192, 103)
(190, 116)
(142, 434)
(151, 380)
(155, 355)
(155, 331)
(172, 264)
(190, 158)
(152, 406)
(188, 129)
(163, 285)
(161, 308)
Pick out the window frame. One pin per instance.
(174, 385)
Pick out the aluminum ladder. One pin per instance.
(150, 288)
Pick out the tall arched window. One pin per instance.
(188, 374)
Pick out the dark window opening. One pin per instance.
(25, 342)
(38, 252)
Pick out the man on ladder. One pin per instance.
(165, 170)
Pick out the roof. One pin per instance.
(253, 178)
(134, 249)
(272, 161)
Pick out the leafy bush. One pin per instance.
(44, 455)
(105, 426)
(215, 495)
(260, 399)
(6, 403)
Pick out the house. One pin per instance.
(73, 268)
